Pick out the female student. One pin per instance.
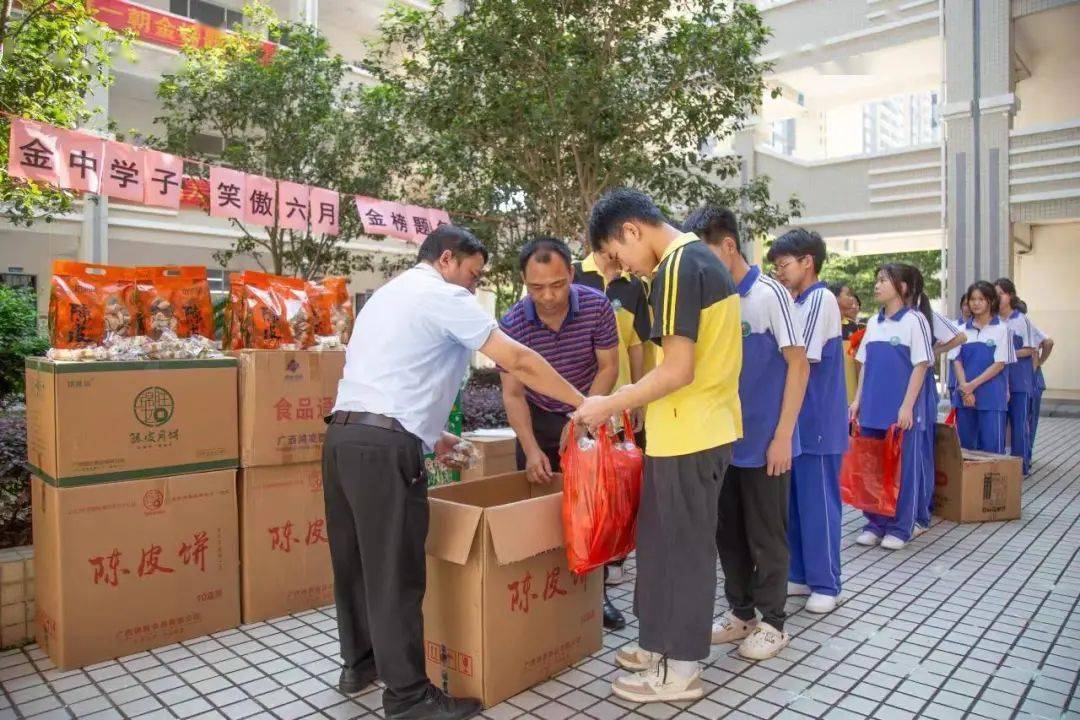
(981, 398)
(896, 353)
(1021, 374)
(944, 337)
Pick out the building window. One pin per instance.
(901, 121)
(207, 13)
(782, 139)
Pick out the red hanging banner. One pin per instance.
(124, 174)
(260, 201)
(163, 176)
(34, 153)
(293, 211)
(227, 192)
(324, 211)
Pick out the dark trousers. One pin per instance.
(751, 537)
(676, 552)
(547, 429)
(377, 522)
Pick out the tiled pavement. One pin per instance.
(969, 621)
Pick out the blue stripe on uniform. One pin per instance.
(781, 298)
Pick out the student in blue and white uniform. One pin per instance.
(751, 532)
(945, 336)
(814, 511)
(896, 354)
(1022, 372)
(981, 399)
(1046, 345)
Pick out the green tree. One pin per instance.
(860, 272)
(51, 53)
(18, 337)
(523, 112)
(293, 116)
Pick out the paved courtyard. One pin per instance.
(968, 621)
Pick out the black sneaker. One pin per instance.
(613, 619)
(353, 681)
(437, 705)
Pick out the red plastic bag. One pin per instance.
(950, 420)
(870, 472)
(601, 492)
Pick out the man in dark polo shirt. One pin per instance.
(573, 328)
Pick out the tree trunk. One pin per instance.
(5, 15)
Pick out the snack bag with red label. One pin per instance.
(293, 293)
(88, 303)
(175, 299)
(333, 309)
(232, 336)
(265, 324)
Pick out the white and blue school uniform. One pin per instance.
(1037, 392)
(814, 510)
(1021, 388)
(942, 331)
(891, 349)
(769, 324)
(983, 426)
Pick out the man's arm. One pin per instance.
(636, 353)
(607, 370)
(527, 366)
(778, 454)
(676, 371)
(537, 466)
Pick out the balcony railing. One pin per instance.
(1044, 164)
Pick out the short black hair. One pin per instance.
(797, 243)
(836, 288)
(712, 224)
(457, 240)
(616, 207)
(542, 247)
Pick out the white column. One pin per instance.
(94, 236)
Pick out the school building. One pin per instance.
(901, 124)
(922, 124)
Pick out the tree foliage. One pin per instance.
(18, 337)
(860, 272)
(51, 53)
(294, 116)
(521, 113)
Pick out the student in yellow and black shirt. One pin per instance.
(693, 416)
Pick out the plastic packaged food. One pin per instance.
(333, 309)
(232, 337)
(265, 324)
(174, 299)
(293, 295)
(88, 303)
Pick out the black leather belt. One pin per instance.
(343, 417)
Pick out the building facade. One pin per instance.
(925, 124)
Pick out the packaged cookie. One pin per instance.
(88, 303)
(333, 309)
(174, 299)
(293, 293)
(265, 324)
(232, 336)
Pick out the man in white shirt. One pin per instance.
(406, 358)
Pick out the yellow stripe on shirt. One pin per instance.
(671, 280)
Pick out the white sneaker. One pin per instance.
(731, 628)
(919, 530)
(891, 542)
(764, 642)
(868, 538)
(797, 589)
(658, 685)
(632, 657)
(821, 604)
(615, 575)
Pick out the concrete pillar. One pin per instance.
(94, 235)
(304, 11)
(977, 111)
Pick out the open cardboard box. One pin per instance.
(502, 610)
(495, 451)
(971, 486)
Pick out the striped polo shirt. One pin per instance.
(589, 326)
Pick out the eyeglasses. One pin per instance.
(780, 266)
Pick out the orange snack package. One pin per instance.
(232, 335)
(332, 307)
(89, 302)
(293, 293)
(175, 299)
(265, 325)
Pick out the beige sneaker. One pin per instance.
(632, 657)
(764, 642)
(731, 629)
(658, 685)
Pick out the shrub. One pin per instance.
(482, 407)
(14, 482)
(18, 337)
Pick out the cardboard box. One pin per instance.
(284, 552)
(129, 566)
(284, 396)
(972, 486)
(495, 450)
(502, 611)
(92, 422)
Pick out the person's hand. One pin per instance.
(637, 419)
(593, 412)
(445, 454)
(538, 467)
(969, 400)
(778, 456)
(966, 388)
(905, 418)
(853, 412)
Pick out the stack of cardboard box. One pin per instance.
(134, 504)
(285, 554)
